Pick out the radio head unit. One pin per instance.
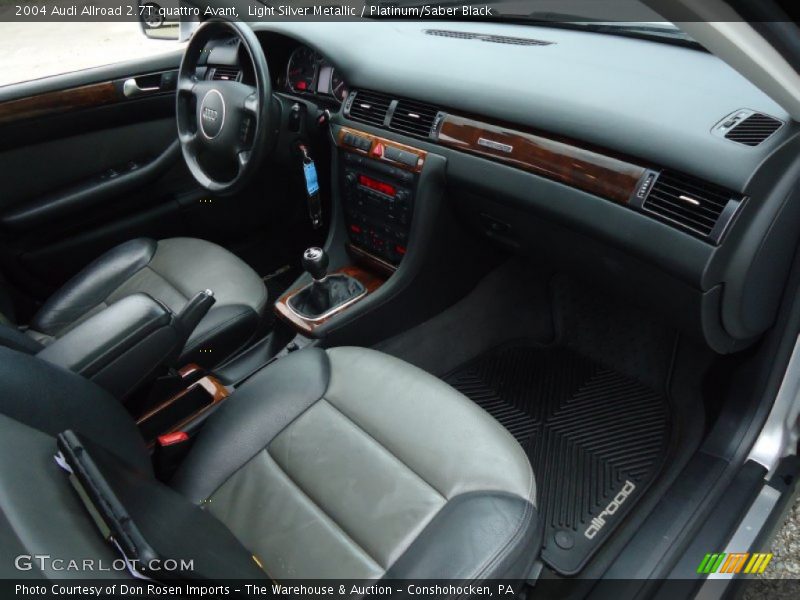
(378, 205)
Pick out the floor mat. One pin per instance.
(596, 439)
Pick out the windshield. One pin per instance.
(621, 17)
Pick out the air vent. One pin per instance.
(226, 74)
(368, 107)
(483, 37)
(414, 118)
(754, 130)
(700, 207)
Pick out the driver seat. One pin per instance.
(171, 271)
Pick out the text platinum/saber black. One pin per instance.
(428, 10)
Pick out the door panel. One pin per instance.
(56, 168)
(87, 166)
(85, 96)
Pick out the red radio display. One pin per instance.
(376, 185)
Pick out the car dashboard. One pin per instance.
(655, 169)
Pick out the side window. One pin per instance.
(32, 47)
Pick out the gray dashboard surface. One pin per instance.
(654, 101)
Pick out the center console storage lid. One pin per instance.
(119, 346)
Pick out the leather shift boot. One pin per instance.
(321, 297)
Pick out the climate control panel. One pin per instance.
(378, 206)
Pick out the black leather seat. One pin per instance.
(171, 271)
(342, 463)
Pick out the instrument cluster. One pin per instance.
(308, 72)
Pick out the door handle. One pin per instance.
(131, 88)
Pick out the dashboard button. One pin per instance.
(408, 158)
(392, 153)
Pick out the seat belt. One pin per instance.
(130, 509)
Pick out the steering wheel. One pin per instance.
(223, 125)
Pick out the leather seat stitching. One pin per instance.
(382, 445)
(501, 552)
(183, 293)
(266, 444)
(321, 509)
(262, 301)
(157, 274)
(130, 276)
(505, 549)
(524, 521)
(263, 296)
(425, 523)
(169, 282)
(83, 308)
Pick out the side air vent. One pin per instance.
(414, 118)
(703, 208)
(483, 37)
(747, 127)
(368, 107)
(226, 74)
(754, 130)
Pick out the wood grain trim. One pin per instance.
(561, 161)
(86, 96)
(370, 261)
(216, 391)
(377, 148)
(369, 280)
(189, 370)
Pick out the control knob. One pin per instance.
(401, 199)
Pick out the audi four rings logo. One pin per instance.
(209, 114)
(599, 521)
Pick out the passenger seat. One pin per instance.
(339, 463)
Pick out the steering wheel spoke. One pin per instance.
(219, 120)
(186, 84)
(251, 104)
(243, 159)
(189, 140)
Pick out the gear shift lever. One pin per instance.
(315, 261)
(326, 293)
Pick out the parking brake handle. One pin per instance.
(194, 311)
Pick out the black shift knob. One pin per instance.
(315, 261)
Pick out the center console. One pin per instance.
(125, 344)
(379, 182)
(356, 277)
